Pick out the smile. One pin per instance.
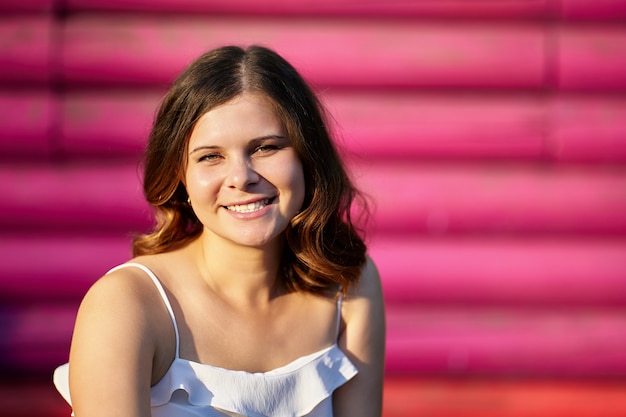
(250, 207)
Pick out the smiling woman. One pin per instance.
(254, 294)
(244, 179)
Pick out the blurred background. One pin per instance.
(490, 133)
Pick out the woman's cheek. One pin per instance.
(201, 184)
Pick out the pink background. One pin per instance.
(491, 136)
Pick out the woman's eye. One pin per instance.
(264, 149)
(209, 157)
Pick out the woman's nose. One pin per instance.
(241, 174)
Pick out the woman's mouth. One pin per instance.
(250, 207)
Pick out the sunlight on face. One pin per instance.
(244, 179)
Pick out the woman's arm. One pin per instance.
(113, 347)
(363, 341)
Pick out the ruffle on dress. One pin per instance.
(301, 388)
(292, 390)
(61, 379)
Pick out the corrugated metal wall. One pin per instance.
(491, 134)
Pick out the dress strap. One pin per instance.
(159, 287)
(338, 321)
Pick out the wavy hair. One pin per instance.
(324, 247)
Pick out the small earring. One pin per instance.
(189, 200)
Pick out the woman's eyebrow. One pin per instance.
(203, 148)
(266, 137)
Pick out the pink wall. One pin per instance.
(492, 138)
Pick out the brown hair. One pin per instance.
(323, 248)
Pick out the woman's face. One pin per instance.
(244, 179)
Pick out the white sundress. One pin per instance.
(301, 388)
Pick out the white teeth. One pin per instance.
(248, 208)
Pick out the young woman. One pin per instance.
(254, 295)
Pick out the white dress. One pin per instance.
(303, 387)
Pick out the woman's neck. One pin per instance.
(245, 276)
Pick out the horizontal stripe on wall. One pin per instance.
(435, 341)
(478, 271)
(27, 51)
(363, 53)
(525, 9)
(448, 8)
(505, 271)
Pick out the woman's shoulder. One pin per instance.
(363, 341)
(123, 280)
(369, 283)
(126, 290)
(365, 299)
(119, 335)
(122, 311)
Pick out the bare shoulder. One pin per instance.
(368, 289)
(363, 341)
(126, 302)
(364, 311)
(118, 331)
(125, 292)
(115, 311)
